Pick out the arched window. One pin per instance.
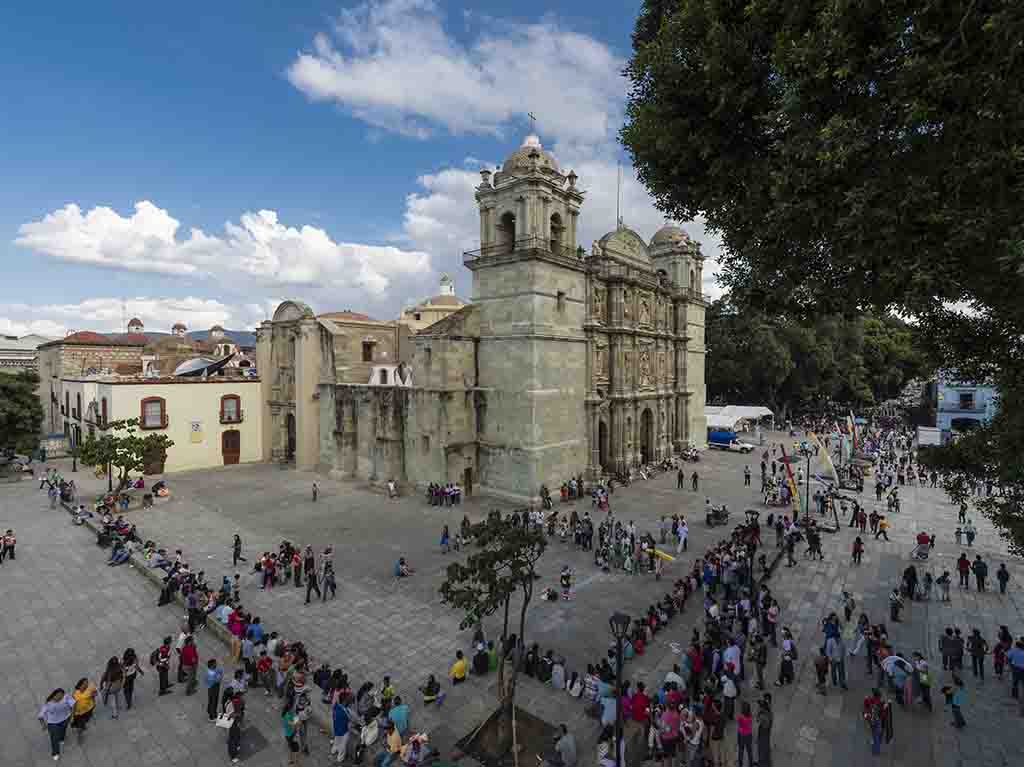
(507, 230)
(230, 409)
(383, 377)
(78, 406)
(693, 280)
(153, 413)
(556, 233)
(103, 412)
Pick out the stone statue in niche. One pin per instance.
(645, 311)
(645, 367)
(600, 362)
(627, 299)
(599, 303)
(627, 372)
(661, 366)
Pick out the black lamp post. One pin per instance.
(619, 624)
(807, 485)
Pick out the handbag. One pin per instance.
(224, 721)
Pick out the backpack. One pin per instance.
(154, 657)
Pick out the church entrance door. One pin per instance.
(602, 445)
(231, 446)
(646, 437)
(290, 424)
(467, 481)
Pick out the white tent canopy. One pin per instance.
(729, 416)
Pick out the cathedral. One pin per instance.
(563, 362)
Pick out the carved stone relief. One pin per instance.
(645, 310)
(627, 299)
(598, 306)
(645, 367)
(600, 363)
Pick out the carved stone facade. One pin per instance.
(564, 363)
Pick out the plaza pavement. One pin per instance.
(380, 625)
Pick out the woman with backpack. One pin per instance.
(131, 668)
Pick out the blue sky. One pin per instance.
(202, 164)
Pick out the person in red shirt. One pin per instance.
(190, 664)
(265, 671)
(641, 705)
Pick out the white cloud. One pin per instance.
(393, 64)
(158, 314)
(258, 248)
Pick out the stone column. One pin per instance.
(595, 435)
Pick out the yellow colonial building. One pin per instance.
(213, 421)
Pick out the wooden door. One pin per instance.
(467, 482)
(231, 446)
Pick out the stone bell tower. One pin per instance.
(529, 289)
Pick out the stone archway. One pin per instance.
(646, 436)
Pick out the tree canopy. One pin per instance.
(124, 449)
(21, 413)
(853, 155)
(787, 364)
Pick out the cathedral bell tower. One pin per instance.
(529, 204)
(529, 293)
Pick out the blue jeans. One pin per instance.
(57, 733)
(383, 759)
(744, 743)
(876, 738)
(839, 673)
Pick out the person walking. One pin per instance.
(236, 551)
(55, 715)
(211, 681)
(111, 684)
(316, 491)
(745, 736)
(963, 568)
(235, 711)
(1015, 659)
(131, 668)
(858, 550)
(980, 570)
(957, 701)
(874, 710)
(746, 476)
(835, 649)
(330, 583)
(1003, 576)
(764, 731)
(190, 664)
(680, 479)
(977, 648)
(309, 565)
(85, 704)
(161, 658)
(759, 653)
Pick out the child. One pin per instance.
(566, 580)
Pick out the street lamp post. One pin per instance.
(619, 624)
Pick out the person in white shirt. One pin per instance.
(674, 677)
(683, 531)
(734, 655)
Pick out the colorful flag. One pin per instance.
(793, 489)
(825, 457)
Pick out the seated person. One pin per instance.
(392, 489)
(120, 554)
(402, 569)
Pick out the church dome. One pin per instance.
(522, 158)
(670, 234)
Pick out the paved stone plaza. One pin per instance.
(64, 613)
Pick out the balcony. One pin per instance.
(530, 242)
(232, 418)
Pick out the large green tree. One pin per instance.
(794, 365)
(21, 413)
(853, 155)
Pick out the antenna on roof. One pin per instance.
(618, 195)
